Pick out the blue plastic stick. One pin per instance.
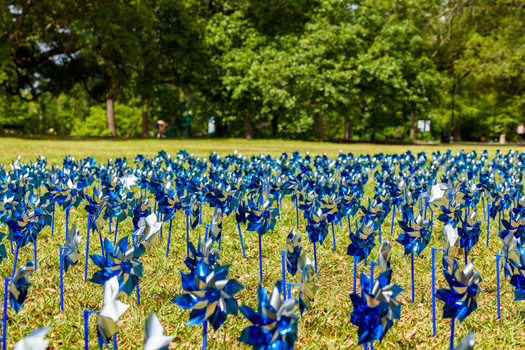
(206, 233)
(284, 274)
(333, 235)
(53, 224)
(138, 294)
(315, 258)
(434, 288)
(67, 222)
(169, 238)
(488, 223)
(412, 265)
(498, 256)
(483, 204)
(116, 232)
(289, 288)
(355, 273)
(16, 260)
(372, 263)
(452, 333)
(379, 232)
(61, 252)
(86, 327)
(466, 255)
(499, 223)
(34, 247)
(110, 222)
(260, 260)
(204, 334)
(187, 234)
(297, 212)
(87, 248)
(393, 217)
(161, 224)
(4, 319)
(240, 236)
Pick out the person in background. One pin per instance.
(521, 133)
(163, 127)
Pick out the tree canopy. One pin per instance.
(299, 69)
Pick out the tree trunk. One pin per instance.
(320, 128)
(145, 123)
(247, 127)
(412, 124)
(110, 114)
(347, 135)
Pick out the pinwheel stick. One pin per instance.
(393, 217)
(138, 293)
(16, 260)
(206, 233)
(187, 234)
(61, 253)
(34, 247)
(240, 236)
(260, 260)
(116, 231)
(169, 238)
(297, 212)
(4, 319)
(498, 256)
(67, 221)
(434, 288)
(488, 224)
(87, 248)
(315, 257)
(333, 235)
(284, 273)
(204, 334)
(452, 321)
(483, 204)
(355, 273)
(412, 270)
(86, 330)
(53, 223)
(466, 256)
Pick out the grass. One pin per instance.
(327, 326)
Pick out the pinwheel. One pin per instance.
(261, 219)
(362, 243)
(216, 225)
(461, 297)
(23, 229)
(154, 337)
(34, 341)
(69, 196)
(333, 215)
(293, 251)
(308, 288)
(377, 213)
(19, 286)
(148, 233)
(415, 237)
(469, 233)
(68, 257)
(317, 229)
(171, 203)
(241, 216)
(451, 244)
(515, 226)
(209, 295)
(120, 262)
(111, 311)
(205, 252)
(376, 309)
(384, 259)
(274, 325)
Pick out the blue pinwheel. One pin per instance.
(515, 226)
(293, 251)
(274, 325)
(375, 309)
(363, 241)
(20, 285)
(461, 297)
(469, 232)
(121, 262)
(209, 295)
(416, 232)
(261, 216)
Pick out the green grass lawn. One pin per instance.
(326, 326)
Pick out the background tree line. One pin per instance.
(300, 69)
